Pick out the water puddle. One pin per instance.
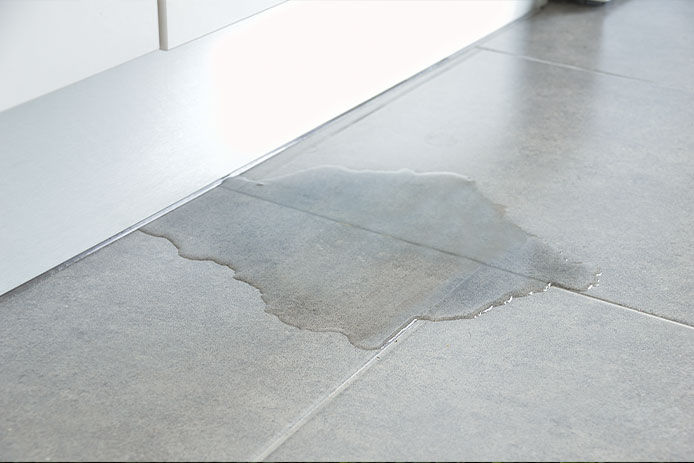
(363, 253)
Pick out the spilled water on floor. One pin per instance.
(363, 252)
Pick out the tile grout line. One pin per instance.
(558, 64)
(577, 292)
(316, 407)
(415, 319)
(360, 227)
(626, 307)
(401, 335)
(580, 69)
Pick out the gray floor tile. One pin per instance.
(137, 353)
(554, 376)
(644, 39)
(598, 166)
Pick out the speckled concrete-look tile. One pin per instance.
(643, 39)
(598, 166)
(135, 353)
(550, 377)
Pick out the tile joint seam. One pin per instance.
(626, 307)
(360, 227)
(318, 406)
(573, 291)
(580, 69)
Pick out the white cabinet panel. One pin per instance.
(47, 44)
(185, 20)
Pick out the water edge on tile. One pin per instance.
(553, 377)
(136, 353)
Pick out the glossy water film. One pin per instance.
(363, 253)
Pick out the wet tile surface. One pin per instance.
(597, 165)
(642, 39)
(142, 351)
(135, 353)
(312, 272)
(551, 377)
(440, 211)
(363, 254)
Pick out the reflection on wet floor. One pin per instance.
(363, 253)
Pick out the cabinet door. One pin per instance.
(184, 20)
(48, 44)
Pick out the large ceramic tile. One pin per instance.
(137, 353)
(643, 39)
(598, 166)
(553, 377)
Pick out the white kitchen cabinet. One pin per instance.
(48, 44)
